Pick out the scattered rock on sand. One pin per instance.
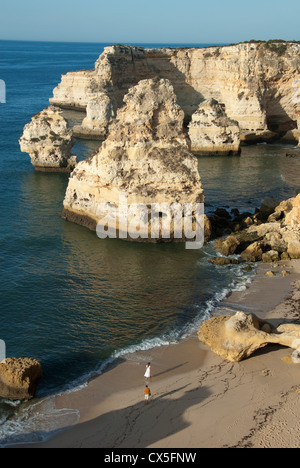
(237, 337)
(270, 273)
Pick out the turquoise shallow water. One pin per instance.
(72, 300)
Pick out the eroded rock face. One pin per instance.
(293, 217)
(145, 159)
(257, 83)
(76, 89)
(237, 337)
(19, 378)
(212, 132)
(48, 141)
(100, 111)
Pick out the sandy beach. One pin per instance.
(198, 400)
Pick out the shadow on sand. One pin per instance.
(136, 426)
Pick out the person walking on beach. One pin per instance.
(147, 393)
(148, 371)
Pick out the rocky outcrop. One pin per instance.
(76, 89)
(257, 82)
(48, 141)
(144, 160)
(100, 111)
(237, 337)
(212, 132)
(19, 378)
(272, 234)
(293, 216)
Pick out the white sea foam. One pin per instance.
(36, 422)
(39, 421)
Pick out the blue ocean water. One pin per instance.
(74, 301)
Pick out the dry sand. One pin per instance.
(198, 400)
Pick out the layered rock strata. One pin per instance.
(48, 141)
(19, 378)
(145, 160)
(237, 337)
(258, 83)
(212, 132)
(76, 89)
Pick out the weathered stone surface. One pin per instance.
(227, 246)
(293, 216)
(19, 378)
(253, 253)
(48, 141)
(275, 242)
(268, 206)
(270, 256)
(237, 337)
(208, 229)
(76, 89)
(145, 158)
(294, 248)
(268, 241)
(221, 261)
(212, 132)
(100, 111)
(257, 83)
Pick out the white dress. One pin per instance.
(148, 372)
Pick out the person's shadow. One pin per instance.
(137, 426)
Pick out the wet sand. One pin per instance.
(198, 400)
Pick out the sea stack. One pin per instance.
(258, 82)
(212, 132)
(48, 141)
(144, 160)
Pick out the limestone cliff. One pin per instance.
(257, 82)
(48, 141)
(100, 111)
(76, 89)
(145, 159)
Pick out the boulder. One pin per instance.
(253, 253)
(237, 337)
(227, 246)
(268, 207)
(221, 261)
(293, 217)
(270, 273)
(208, 229)
(270, 256)
(19, 378)
(294, 249)
(274, 241)
(237, 243)
(48, 141)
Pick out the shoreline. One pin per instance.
(198, 400)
